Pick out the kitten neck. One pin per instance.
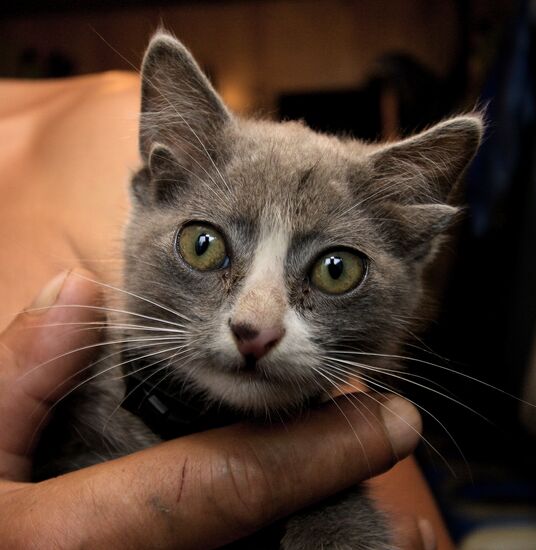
(170, 412)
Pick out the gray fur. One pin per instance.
(389, 201)
(348, 521)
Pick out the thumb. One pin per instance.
(39, 363)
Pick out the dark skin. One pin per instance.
(62, 139)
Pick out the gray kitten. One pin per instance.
(264, 265)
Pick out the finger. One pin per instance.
(415, 534)
(427, 534)
(31, 379)
(205, 490)
(409, 535)
(404, 490)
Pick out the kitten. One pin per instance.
(262, 260)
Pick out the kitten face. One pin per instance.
(314, 245)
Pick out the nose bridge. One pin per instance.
(262, 304)
(263, 300)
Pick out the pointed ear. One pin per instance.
(425, 168)
(179, 106)
(415, 177)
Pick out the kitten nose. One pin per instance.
(253, 341)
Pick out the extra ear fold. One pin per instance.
(161, 179)
(415, 177)
(179, 106)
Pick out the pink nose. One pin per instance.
(253, 341)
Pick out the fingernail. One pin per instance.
(427, 534)
(49, 293)
(403, 424)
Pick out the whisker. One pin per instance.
(107, 325)
(86, 381)
(391, 372)
(399, 377)
(341, 391)
(106, 309)
(442, 367)
(387, 387)
(345, 417)
(424, 439)
(156, 339)
(133, 294)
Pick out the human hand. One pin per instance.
(199, 491)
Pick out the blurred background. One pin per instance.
(380, 69)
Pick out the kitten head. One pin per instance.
(277, 255)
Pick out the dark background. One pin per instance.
(381, 69)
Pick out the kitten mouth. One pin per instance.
(250, 363)
(251, 369)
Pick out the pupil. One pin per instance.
(202, 243)
(335, 267)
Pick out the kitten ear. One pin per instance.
(179, 106)
(415, 177)
(425, 168)
(159, 181)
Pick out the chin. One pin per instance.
(253, 392)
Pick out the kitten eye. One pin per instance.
(338, 271)
(202, 247)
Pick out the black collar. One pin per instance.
(170, 413)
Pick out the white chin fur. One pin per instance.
(248, 393)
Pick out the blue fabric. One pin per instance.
(509, 94)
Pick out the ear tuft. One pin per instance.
(414, 179)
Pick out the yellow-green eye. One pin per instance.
(202, 247)
(338, 271)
